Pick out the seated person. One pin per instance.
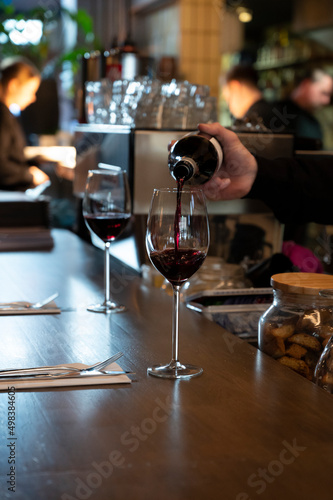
(245, 100)
(18, 86)
(313, 90)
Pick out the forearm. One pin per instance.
(296, 191)
(14, 174)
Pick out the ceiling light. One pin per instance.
(244, 14)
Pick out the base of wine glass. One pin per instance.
(107, 308)
(175, 370)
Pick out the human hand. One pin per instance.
(38, 176)
(239, 167)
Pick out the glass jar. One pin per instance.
(323, 375)
(299, 323)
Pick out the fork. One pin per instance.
(59, 370)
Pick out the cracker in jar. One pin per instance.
(296, 351)
(326, 330)
(311, 359)
(305, 340)
(298, 365)
(309, 321)
(284, 331)
(274, 346)
(325, 341)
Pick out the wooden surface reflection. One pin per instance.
(247, 428)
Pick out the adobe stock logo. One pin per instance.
(262, 477)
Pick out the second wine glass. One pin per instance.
(107, 211)
(177, 242)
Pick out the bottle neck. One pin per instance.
(185, 169)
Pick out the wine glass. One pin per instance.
(323, 374)
(177, 241)
(107, 211)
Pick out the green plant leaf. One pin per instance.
(84, 21)
(6, 10)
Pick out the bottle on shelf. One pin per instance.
(195, 158)
(112, 62)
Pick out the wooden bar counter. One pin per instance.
(247, 428)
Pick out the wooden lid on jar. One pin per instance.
(303, 283)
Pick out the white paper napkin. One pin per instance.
(50, 308)
(66, 382)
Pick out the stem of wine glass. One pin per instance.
(107, 273)
(175, 324)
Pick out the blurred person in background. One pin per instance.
(245, 100)
(19, 83)
(313, 90)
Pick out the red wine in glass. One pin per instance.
(107, 211)
(107, 226)
(177, 266)
(177, 242)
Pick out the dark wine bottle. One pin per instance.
(195, 158)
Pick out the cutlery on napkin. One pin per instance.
(72, 380)
(24, 308)
(45, 306)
